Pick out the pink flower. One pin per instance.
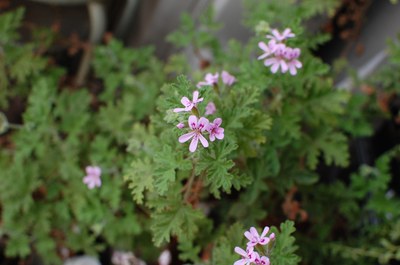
(287, 33)
(277, 55)
(291, 56)
(248, 256)
(164, 258)
(210, 80)
(210, 109)
(180, 125)
(189, 105)
(254, 238)
(216, 131)
(92, 179)
(278, 60)
(198, 127)
(261, 260)
(272, 237)
(227, 78)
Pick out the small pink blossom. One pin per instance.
(227, 78)
(197, 127)
(189, 105)
(287, 33)
(279, 56)
(272, 237)
(92, 179)
(180, 125)
(291, 56)
(164, 258)
(254, 238)
(248, 256)
(209, 80)
(210, 108)
(216, 131)
(125, 258)
(278, 61)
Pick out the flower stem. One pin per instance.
(216, 89)
(15, 126)
(189, 184)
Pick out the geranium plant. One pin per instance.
(172, 163)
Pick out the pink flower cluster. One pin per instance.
(277, 55)
(199, 126)
(92, 179)
(212, 79)
(249, 256)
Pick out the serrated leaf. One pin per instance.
(26, 64)
(217, 167)
(140, 178)
(284, 249)
(333, 146)
(9, 23)
(166, 163)
(177, 220)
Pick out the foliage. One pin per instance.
(279, 131)
(65, 129)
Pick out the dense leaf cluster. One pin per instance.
(278, 131)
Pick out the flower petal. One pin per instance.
(220, 134)
(284, 66)
(265, 231)
(89, 170)
(185, 101)
(248, 235)
(195, 96)
(254, 232)
(292, 70)
(240, 251)
(193, 144)
(186, 137)
(217, 122)
(97, 171)
(87, 179)
(269, 61)
(263, 56)
(297, 63)
(263, 46)
(179, 109)
(202, 83)
(192, 122)
(203, 140)
(240, 262)
(275, 67)
(203, 124)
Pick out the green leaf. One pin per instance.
(26, 64)
(140, 178)
(166, 163)
(9, 23)
(177, 220)
(18, 245)
(217, 167)
(283, 252)
(306, 177)
(223, 252)
(333, 145)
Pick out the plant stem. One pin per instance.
(15, 126)
(189, 184)
(216, 89)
